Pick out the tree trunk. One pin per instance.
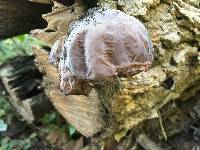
(174, 28)
(21, 16)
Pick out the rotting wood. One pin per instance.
(22, 81)
(58, 23)
(175, 69)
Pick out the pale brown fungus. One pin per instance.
(104, 44)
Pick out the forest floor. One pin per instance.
(52, 132)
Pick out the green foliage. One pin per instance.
(52, 120)
(49, 118)
(22, 144)
(3, 126)
(72, 130)
(19, 45)
(4, 106)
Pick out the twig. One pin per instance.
(161, 126)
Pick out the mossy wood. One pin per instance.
(174, 27)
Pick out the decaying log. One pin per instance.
(22, 81)
(176, 69)
(21, 16)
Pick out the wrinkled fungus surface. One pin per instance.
(104, 43)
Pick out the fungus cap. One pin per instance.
(103, 44)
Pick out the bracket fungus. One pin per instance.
(101, 45)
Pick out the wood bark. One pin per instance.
(20, 16)
(174, 29)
